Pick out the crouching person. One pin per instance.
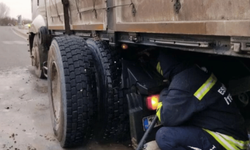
(197, 111)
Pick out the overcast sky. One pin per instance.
(19, 7)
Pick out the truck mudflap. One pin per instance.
(140, 81)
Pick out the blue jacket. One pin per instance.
(196, 98)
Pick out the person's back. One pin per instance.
(197, 109)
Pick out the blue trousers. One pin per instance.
(185, 138)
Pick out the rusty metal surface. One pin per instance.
(87, 12)
(84, 14)
(98, 27)
(66, 16)
(220, 28)
(204, 17)
(196, 17)
(55, 13)
(56, 27)
(191, 10)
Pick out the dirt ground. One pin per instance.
(24, 112)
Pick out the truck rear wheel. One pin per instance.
(113, 121)
(36, 57)
(70, 90)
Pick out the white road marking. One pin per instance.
(18, 34)
(21, 42)
(14, 42)
(7, 42)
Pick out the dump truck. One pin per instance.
(98, 84)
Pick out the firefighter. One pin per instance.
(196, 110)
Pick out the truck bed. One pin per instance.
(193, 17)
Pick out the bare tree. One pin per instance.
(4, 10)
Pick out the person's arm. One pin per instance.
(176, 107)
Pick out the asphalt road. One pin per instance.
(13, 48)
(24, 113)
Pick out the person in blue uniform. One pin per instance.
(196, 110)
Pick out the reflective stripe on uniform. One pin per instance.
(202, 91)
(158, 68)
(158, 111)
(228, 142)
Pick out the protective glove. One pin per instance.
(158, 110)
(161, 98)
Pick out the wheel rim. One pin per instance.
(56, 96)
(35, 58)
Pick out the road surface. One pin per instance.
(24, 112)
(14, 50)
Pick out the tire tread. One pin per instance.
(77, 70)
(116, 115)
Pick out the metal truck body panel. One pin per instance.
(88, 15)
(203, 17)
(39, 15)
(37, 23)
(55, 14)
(196, 17)
(38, 7)
(84, 15)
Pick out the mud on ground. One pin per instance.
(24, 114)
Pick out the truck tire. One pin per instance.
(112, 108)
(70, 90)
(43, 32)
(37, 56)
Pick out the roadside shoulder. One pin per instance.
(20, 32)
